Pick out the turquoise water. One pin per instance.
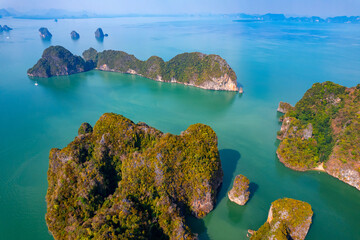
(273, 61)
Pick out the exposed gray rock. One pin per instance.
(240, 192)
(284, 107)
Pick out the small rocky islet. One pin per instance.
(130, 181)
(194, 69)
(322, 132)
(45, 33)
(240, 193)
(99, 34)
(288, 219)
(74, 35)
(5, 28)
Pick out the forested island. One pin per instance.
(194, 69)
(123, 180)
(322, 132)
(288, 219)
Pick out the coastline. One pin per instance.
(232, 86)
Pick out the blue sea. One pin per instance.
(273, 61)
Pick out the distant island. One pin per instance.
(282, 18)
(238, 17)
(194, 69)
(5, 28)
(322, 132)
(124, 180)
(45, 33)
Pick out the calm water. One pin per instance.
(273, 62)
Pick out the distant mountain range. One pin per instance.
(238, 17)
(282, 18)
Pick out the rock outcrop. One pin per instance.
(5, 28)
(58, 61)
(85, 128)
(284, 107)
(130, 181)
(288, 219)
(194, 69)
(45, 34)
(99, 33)
(323, 129)
(74, 35)
(240, 191)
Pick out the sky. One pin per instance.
(290, 7)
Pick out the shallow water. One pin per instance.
(273, 61)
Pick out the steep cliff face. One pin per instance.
(130, 181)
(45, 33)
(240, 191)
(288, 219)
(284, 107)
(194, 69)
(324, 129)
(58, 61)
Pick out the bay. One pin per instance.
(273, 61)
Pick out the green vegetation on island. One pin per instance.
(288, 219)
(122, 180)
(240, 191)
(323, 130)
(195, 69)
(58, 61)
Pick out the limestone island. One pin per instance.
(5, 28)
(194, 69)
(74, 35)
(45, 34)
(58, 61)
(121, 180)
(288, 219)
(322, 132)
(240, 192)
(99, 34)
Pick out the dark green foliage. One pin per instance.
(58, 61)
(130, 181)
(320, 106)
(90, 54)
(85, 128)
(195, 68)
(287, 218)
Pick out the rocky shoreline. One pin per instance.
(343, 160)
(210, 72)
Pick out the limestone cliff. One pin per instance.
(240, 191)
(58, 61)
(122, 180)
(194, 69)
(45, 34)
(288, 219)
(323, 129)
